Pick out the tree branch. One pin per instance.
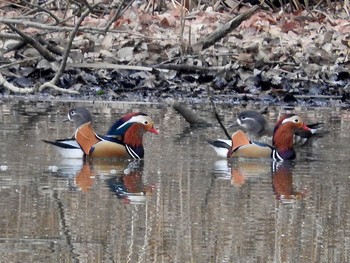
(222, 31)
(52, 83)
(13, 88)
(34, 43)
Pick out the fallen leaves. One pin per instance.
(267, 50)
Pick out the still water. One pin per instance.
(182, 203)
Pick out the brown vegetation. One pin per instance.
(267, 49)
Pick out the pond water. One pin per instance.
(182, 203)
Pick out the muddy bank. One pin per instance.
(237, 55)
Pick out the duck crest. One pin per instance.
(122, 125)
(280, 121)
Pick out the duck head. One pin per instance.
(131, 128)
(283, 135)
(79, 116)
(253, 121)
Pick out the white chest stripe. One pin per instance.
(131, 152)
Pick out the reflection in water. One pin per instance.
(241, 170)
(53, 210)
(124, 177)
(130, 187)
(282, 182)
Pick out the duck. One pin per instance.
(123, 140)
(282, 147)
(256, 125)
(252, 122)
(69, 148)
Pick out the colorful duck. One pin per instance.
(282, 149)
(123, 140)
(256, 126)
(253, 122)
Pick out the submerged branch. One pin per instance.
(217, 115)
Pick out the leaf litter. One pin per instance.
(269, 57)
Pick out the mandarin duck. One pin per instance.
(282, 142)
(256, 126)
(123, 140)
(69, 148)
(253, 122)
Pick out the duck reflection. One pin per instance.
(130, 187)
(123, 177)
(282, 182)
(239, 172)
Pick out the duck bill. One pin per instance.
(305, 128)
(235, 124)
(154, 130)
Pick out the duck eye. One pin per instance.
(296, 120)
(243, 118)
(146, 122)
(72, 112)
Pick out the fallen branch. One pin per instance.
(160, 67)
(190, 116)
(104, 65)
(222, 31)
(13, 88)
(55, 87)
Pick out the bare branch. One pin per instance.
(222, 31)
(52, 83)
(34, 43)
(54, 87)
(118, 14)
(13, 88)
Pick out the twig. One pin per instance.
(69, 28)
(40, 8)
(13, 88)
(217, 115)
(105, 65)
(52, 83)
(54, 87)
(20, 62)
(34, 43)
(118, 14)
(222, 31)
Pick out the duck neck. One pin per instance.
(134, 136)
(283, 142)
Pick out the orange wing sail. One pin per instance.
(86, 137)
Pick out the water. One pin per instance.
(181, 204)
